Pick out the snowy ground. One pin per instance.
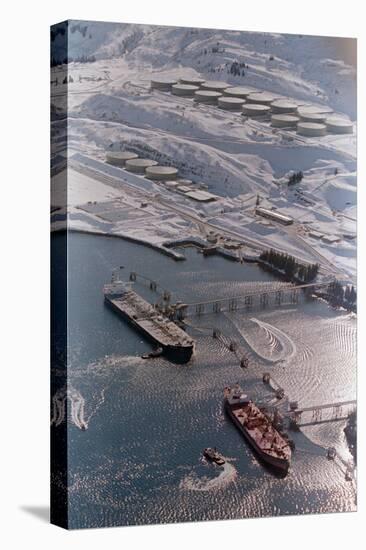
(110, 105)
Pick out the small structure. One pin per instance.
(200, 195)
(161, 173)
(311, 129)
(339, 126)
(194, 81)
(330, 239)
(255, 109)
(184, 90)
(230, 103)
(207, 96)
(284, 121)
(281, 106)
(261, 98)
(214, 85)
(238, 91)
(119, 158)
(139, 165)
(162, 84)
(274, 216)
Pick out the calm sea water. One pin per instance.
(140, 460)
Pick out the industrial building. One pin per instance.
(207, 96)
(214, 85)
(163, 84)
(311, 129)
(254, 109)
(274, 216)
(261, 98)
(161, 173)
(282, 106)
(184, 90)
(201, 196)
(230, 103)
(238, 91)
(119, 158)
(339, 126)
(284, 121)
(139, 165)
(194, 81)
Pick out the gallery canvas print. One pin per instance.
(203, 274)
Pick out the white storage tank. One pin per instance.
(261, 98)
(339, 126)
(214, 85)
(284, 121)
(231, 103)
(194, 81)
(254, 109)
(305, 110)
(139, 165)
(238, 91)
(313, 117)
(280, 106)
(311, 129)
(184, 90)
(163, 84)
(119, 158)
(207, 96)
(161, 173)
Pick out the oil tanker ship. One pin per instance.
(174, 342)
(270, 446)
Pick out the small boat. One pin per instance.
(155, 353)
(214, 456)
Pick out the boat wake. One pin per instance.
(279, 344)
(77, 402)
(194, 483)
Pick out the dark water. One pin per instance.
(139, 461)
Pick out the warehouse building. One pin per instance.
(200, 195)
(274, 216)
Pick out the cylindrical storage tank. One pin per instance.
(238, 91)
(139, 165)
(185, 90)
(261, 98)
(214, 85)
(253, 109)
(280, 106)
(313, 117)
(207, 96)
(119, 158)
(339, 126)
(163, 84)
(231, 103)
(184, 181)
(194, 81)
(284, 121)
(161, 173)
(305, 110)
(311, 129)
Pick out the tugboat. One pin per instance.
(214, 456)
(258, 429)
(155, 353)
